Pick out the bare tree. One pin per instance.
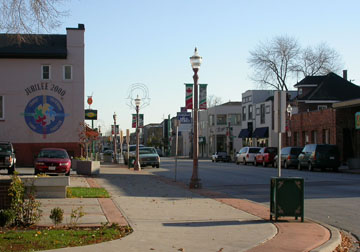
(213, 101)
(319, 60)
(274, 61)
(278, 60)
(30, 16)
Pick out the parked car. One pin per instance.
(53, 161)
(266, 156)
(289, 157)
(148, 156)
(247, 155)
(109, 152)
(220, 156)
(159, 151)
(132, 147)
(7, 157)
(319, 156)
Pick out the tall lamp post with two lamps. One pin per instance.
(195, 61)
(115, 147)
(137, 166)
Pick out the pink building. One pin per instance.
(42, 92)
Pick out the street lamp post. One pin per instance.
(195, 61)
(115, 151)
(137, 166)
(289, 111)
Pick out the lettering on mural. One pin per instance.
(44, 86)
(44, 114)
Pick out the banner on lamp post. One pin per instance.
(113, 131)
(202, 98)
(189, 96)
(141, 121)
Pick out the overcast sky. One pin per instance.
(150, 42)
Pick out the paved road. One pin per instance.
(332, 198)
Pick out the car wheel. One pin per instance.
(264, 164)
(157, 166)
(310, 168)
(286, 165)
(237, 162)
(36, 172)
(212, 160)
(299, 166)
(11, 169)
(68, 173)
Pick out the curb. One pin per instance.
(332, 243)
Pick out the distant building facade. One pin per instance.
(219, 127)
(42, 92)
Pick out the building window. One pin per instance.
(45, 72)
(2, 109)
(234, 119)
(296, 139)
(68, 72)
(326, 136)
(250, 112)
(262, 113)
(211, 119)
(320, 107)
(220, 119)
(300, 91)
(244, 113)
(267, 109)
(314, 137)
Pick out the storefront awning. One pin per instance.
(261, 132)
(244, 133)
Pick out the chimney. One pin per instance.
(345, 74)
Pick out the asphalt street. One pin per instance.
(330, 197)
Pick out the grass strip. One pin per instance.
(86, 192)
(50, 238)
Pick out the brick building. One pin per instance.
(320, 119)
(42, 92)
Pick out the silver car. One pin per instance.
(247, 155)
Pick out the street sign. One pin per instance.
(184, 117)
(280, 111)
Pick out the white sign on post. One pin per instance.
(280, 111)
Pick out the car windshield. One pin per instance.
(295, 151)
(254, 150)
(147, 151)
(271, 150)
(53, 154)
(5, 148)
(327, 148)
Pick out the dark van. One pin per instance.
(319, 156)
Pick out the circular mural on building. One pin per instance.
(44, 114)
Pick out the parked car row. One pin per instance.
(311, 156)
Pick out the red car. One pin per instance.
(53, 161)
(266, 156)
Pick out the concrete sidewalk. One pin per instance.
(166, 216)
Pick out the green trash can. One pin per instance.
(131, 162)
(287, 197)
